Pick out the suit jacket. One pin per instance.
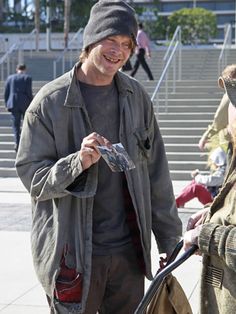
(18, 91)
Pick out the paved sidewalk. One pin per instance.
(20, 292)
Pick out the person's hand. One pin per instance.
(194, 173)
(89, 153)
(191, 237)
(197, 219)
(201, 144)
(162, 262)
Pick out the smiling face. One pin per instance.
(105, 58)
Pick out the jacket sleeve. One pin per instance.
(43, 174)
(214, 179)
(219, 240)
(29, 88)
(166, 223)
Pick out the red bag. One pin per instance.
(68, 285)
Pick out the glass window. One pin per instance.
(223, 19)
(173, 6)
(208, 5)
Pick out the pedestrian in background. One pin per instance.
(142, 49)
(91, 234)
(18, 95)
(205, 186)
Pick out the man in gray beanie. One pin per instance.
(92, 222)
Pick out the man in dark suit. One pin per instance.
(18, 95)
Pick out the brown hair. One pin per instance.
(229, 72)
(84, 55)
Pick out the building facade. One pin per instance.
(225, 10)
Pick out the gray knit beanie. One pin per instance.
(109, 18)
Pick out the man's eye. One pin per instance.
(126, 45)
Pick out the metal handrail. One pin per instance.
(9, 60)
(65, 52)
(7, 57)
(164, 74)
(176, 37)
(30, 37)
(222, 61)
(174, 48)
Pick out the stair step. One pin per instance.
(181, 139)
(5, 137)
(185, 116)
(7, 163)
(8, 172)
(189, 165)
(181, 148)
(7, 154)
(186, 109)
(193, 102)
(182, 131)
(5, 130)
(7, 145)
(177, 175)
(185, 124)
(187, 156)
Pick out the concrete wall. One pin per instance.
(29, 41)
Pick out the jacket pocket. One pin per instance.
(68, 286)
(143, 141)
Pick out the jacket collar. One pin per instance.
(74, 97)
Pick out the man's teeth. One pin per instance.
(111, 59)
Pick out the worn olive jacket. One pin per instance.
(62, 195)
(218, 243)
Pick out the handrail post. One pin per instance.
(174, 74)
(54, 69)
(68, 51)
(8, 66)
(2, 72)
(222, 60)
(164, 76)
(166, 91)
(63, 63)
(180, 55)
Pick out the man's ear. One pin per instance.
(221, 82)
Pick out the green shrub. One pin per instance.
(198, 25)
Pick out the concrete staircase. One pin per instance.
(182, 126)
(7, 153)
(190, 109)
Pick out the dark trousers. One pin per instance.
(141, 60)
(17, 115)
(117, 284)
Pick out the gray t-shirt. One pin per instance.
(110, 230)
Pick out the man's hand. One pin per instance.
(89, 153)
